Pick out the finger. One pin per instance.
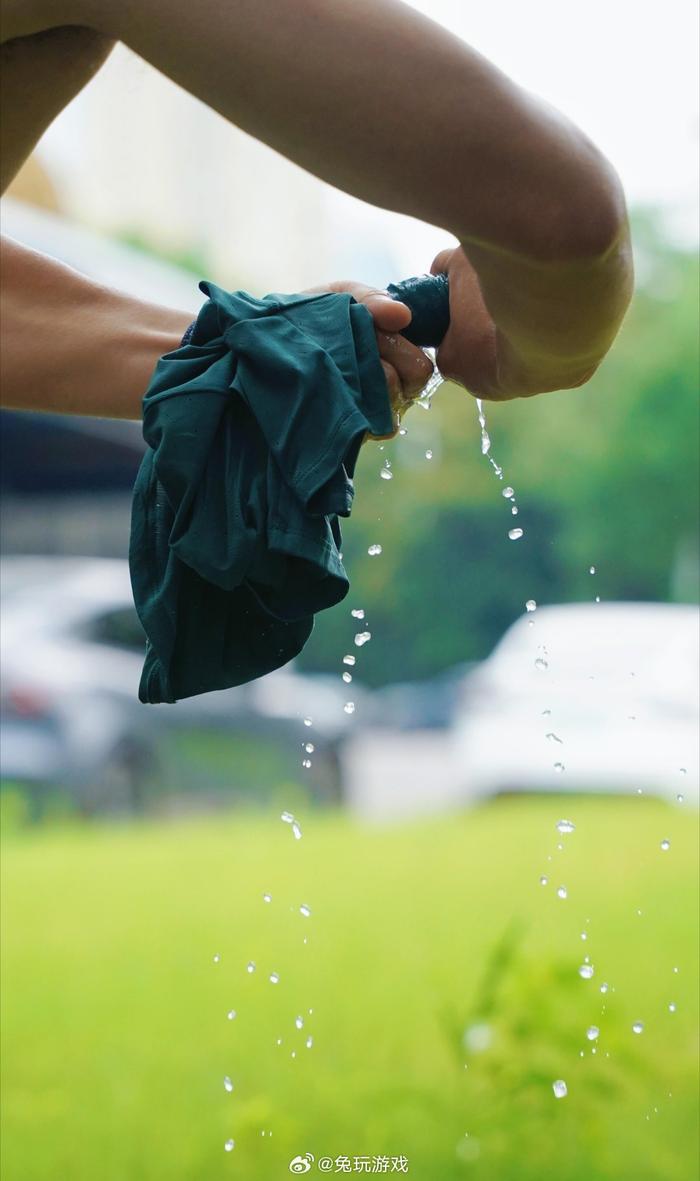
(414, 368)
(396, 398)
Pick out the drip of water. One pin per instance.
(592, 1033)
(306, 763)
(565, 825)
(349, 660)
(228, 1085)
(665, 845)
(305, 910)
(544, 881)
(217, 959)
(374, 550)
(250, 967)
(267, 897)
(308, 721)
(299, 1022)
(428, 454)
(296, 831)
(586, 971)
(362, 638)
(515, 534)
(508, 492)
(485, 440)
(541, 663)
(358, 613)
(229, 1145)
(309, 1042)
(560, 1089)
(530, 605)
(274, 977)
(638, 1027)
(347, 677)
(349, 707)
(231, 1015)
(562, 892)
(309, 748)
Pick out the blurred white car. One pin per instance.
(72, 652)
(585, 697)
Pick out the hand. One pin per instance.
(406, 367)
(468, 353)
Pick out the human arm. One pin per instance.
(73, 346)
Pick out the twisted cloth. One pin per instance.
(253, 429)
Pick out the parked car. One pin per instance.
(72, 651)
(585, 697)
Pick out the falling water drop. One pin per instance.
(274, 977)
(586, 971)
(544, 880)
(299, 1022)
(680, 797)
(357, 613)
(305, 910)
(559, 768)
(665, 845)
(562, 892)
(428, 454)
(515, 534)
(671, 1007)
(362, 638)
(349, 707)
(591, 569)
(231, 1015)
(508, 492)
(604, 986)
(296, 831)
(309, 748)
(287, 818)
(229, 1145)
(228, 1085)
(347, 677)
(306, 763)
(531, 605)
(515, 510)
(267, 897)
(565, 825)
(309, 1042)
(250, 967)
(592, 1033)
(386, 472)
(374, 550)
(560, 1089)
(552, 737)
(638, 1027)
(217, 958)
(308, 721)
(349, 659)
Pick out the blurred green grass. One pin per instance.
(116, 1038)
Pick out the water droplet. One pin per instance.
(683, 770)
(514, 510)
(357, 613)
(428, 454)
(680, 798)
(347, 677)
(559, 767)
(531, 605)
(374, 550)
(293, 1054)
(306, 763)
(287, 817)
(671, 1007)
(552, 737)
(231, 1015)
(584, 935)
(274, 977)
(296, 831)
(267, 897)
(514, 534)
(485, 442)
(544, 881)
(591, 569)
(562, 892)
(597, 598)
(228, 1085)
(541, 663)
(665, 845)
(638, 1027)
(250, 967)
(508, 492)
(586, 971)
(362, 638)
(308, 721)
(676, 971)
(309, 748)
(299, 1022)
(402, 431)
(349, 659)
(349, 707)
(386, 473)
(229, 1145)
(309, 1042)
(217, 959)
(604, 986)
(279, 1041)
(560, 1089)
(546, 713)
(305, 910)
(592, 1033)
(565, 825)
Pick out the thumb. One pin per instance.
(388, 314)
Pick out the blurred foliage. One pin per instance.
(606, 475)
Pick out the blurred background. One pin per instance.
(507, 685)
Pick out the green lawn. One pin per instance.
(116, 1037)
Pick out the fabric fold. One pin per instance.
(253, 429)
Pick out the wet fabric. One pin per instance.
(253, 429)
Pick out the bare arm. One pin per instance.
(385, 104)
(70, 345)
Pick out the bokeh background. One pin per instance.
(461, 953)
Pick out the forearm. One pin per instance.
(382, 102)
(70, 345)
